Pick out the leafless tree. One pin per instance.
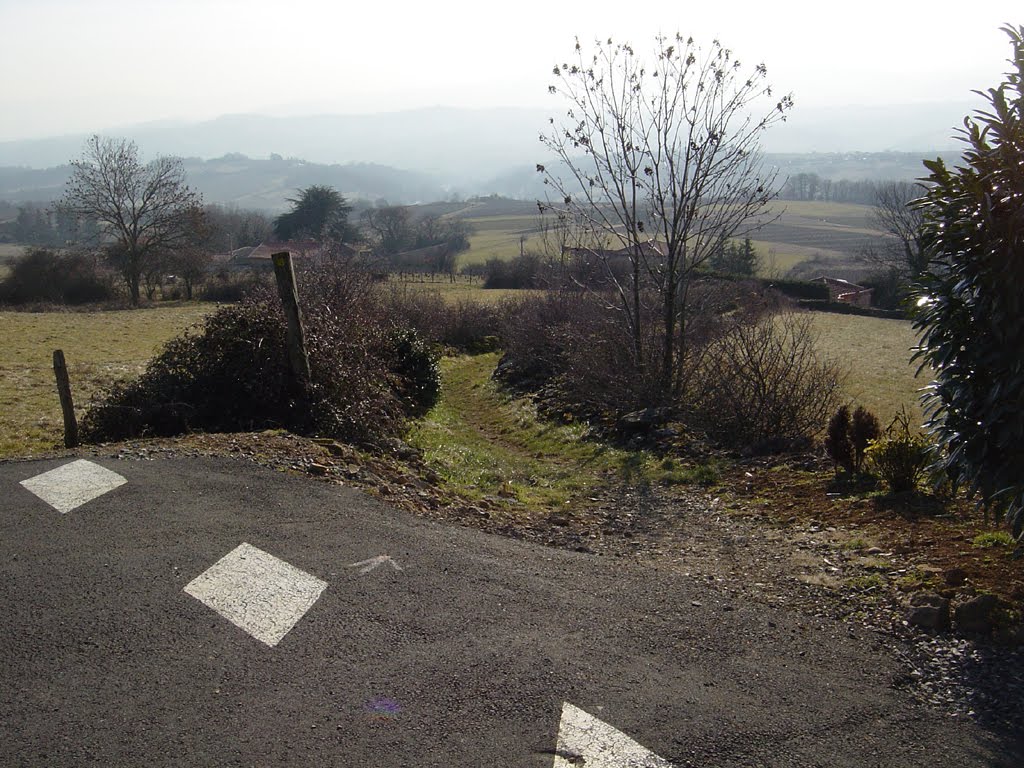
(143, 209)
(390, 227)
(902, 250)
(661, 157)
(191, 260)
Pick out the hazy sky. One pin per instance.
(69, 66)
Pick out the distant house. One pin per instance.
(299, 249)
(618, 261)
(845, 292)
(650, 248)
(261, 254)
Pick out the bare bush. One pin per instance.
(45, 276)
(465, 325)
(764, 382)
(573, 348)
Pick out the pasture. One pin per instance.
(875, 352)
(499, 237)
(454, 292)
(102, 347)
(798, 232)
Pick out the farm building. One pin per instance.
(846, 292)
(299, 249)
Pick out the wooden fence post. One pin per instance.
(60, 370)
(297, 354)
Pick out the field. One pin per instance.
(828, 234)
(102, 347)
(499, 237)
(876, 354)
(461, 290)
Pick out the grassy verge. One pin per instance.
(100, 347)
(486, 444)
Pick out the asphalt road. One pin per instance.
(403, 642)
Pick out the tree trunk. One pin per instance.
(133, 288)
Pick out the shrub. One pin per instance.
(415, 365)
(230, 287)
(837, 439)
(572, 351)
(524, 271)
(233, 374)
(763, 382)
(863, 429)
(45, 276)
(746, 379)
(900, 457)
(971, 297)
(466, 325)
(847, 439)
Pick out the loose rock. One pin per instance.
(928, 611)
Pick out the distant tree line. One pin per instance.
(811, 186)
(41, 225)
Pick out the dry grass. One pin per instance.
(462, 290)
(498, 237)
(100, 348)
(876, 352)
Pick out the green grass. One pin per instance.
(991, 539)
(100, 348)
(876, 353)
(484, 443)
(866, 582)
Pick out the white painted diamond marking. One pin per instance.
(257, 592)
(585, 740)
(72, 485)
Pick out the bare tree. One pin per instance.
(191, 260)
(662, 157)
(390, 226)
(902, 251)
(143, 210)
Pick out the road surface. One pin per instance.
(203, 612)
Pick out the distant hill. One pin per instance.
(466, 148)
(455, 145)
(523, 182)
(251, 183)
(267, 183)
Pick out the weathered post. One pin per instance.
(298, 357)
(60, 370)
